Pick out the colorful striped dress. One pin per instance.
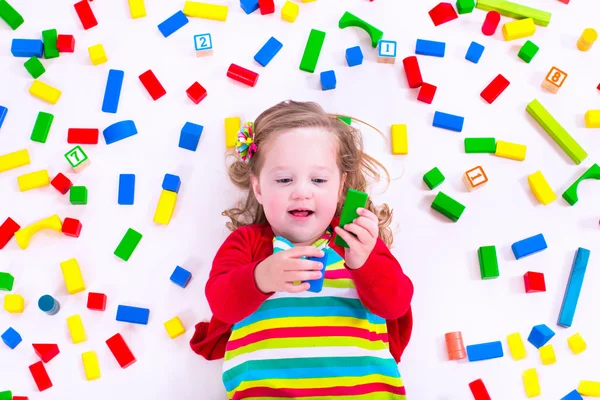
(312, 346)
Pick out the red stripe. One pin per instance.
(317, 331)
(332, 391)
(338, 274)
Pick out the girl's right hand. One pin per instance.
(278, 271)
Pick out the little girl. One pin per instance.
(279, 337)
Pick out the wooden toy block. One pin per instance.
(495, 88)
(78, 195)
(242, 75)
(119, 131)
(165, 207)
(570, 195)
(137, 8)
(312, 50)
(510, 150)
(33, 180)
(126, 189)
(587, 39)
(91, 365)
(6, 281)
(14, 303)
(433, 178)
(484, 351)
(455, 346)
(328, 80)
(386, 52)
(41, 129)
(316, 285)
(3, 112)
(173, 23)
(97, 54)
(576, 343)
(531, 383)
(134, 315)
(9, 15)
(190, 136)
(24, 235)
(35, 67)
(399, 139)
(289, 11)
(589, 388)
(128, 244)
(270, 50)
(442, 13)
(488, 262)
(354, 200)
(573, 289)
(49, 37)
(480, 145)
(354, 56)
(65, 43)
(516, 346)
(534, 282)
(120, 350)
(46, 352)
(96, 301)
(465, 6)
(540, 188)
(479, 390)
(266, 7)
(475, 178)
(181, 277)
(346, 120)
(413, 72)
(518, 29)
(27, 48)
(44, 92)
(592, 119)
(75, 325)
(474, 52)
(48, 304)
(556, 132)
(528, 51)
(61, 183)
(427, 93)
(205, 10)
(448, 121)
(174, 327)
(573, 395)
(516, 11)
(6, 395)
(11, 338)
(72, 276)
(547, 355)
(430, 48)
(529, 246)
(85, 14)
(39, 374)
(554, 80)
(540, 335)
(83, 135)
(232, 126)
(112, 92)
(447, 206)
(171, 183)
(14, 160)
(196, 92)
(349, 19)
(152, 85)
(564, 2)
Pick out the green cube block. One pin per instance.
(42, 126)
(312, 50)
(35, 67)
(6, 395)
(528, 51)
(447, 206)
(465, 6)
(49, 38)
(354, 200)
(433, 178)
(480, 145)
(128, 244)
(488, 262)
(10, 15)
(78, 195)
(6, 281)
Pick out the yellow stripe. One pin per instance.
(336, 266)
(339, 283)
(368, 396)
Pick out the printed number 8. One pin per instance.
(556, 77)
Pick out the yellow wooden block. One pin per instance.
(205, 10)
(587, 39)
(33, 180)
(531, 383)
(289, 11)
(516, 346)
(137, 8)
(91, 365)
(518, 29)
(592, 119)
(14, 303)
(232, 127)
(24, 235)
(308, 1)
(576, 343)
(547, 354)
(72, 276)
(174, 327)
(97, 54)
(165, 208)
(44, 92)
(589, 388)
(76, 328)
(513, 151)
(14, 160)
(540, 188)
(399, 139)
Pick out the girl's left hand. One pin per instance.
(361, 236)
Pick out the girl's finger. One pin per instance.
(368, 214)
(293, 276)
(303, 287)
(368, 224)
(363, 235)
(352, 241)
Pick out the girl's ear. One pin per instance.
(256, 188)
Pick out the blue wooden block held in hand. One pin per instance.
(485, 351)
(529, 246)
(540, 335)
(316, 285)
(134, 315)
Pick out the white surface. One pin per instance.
(438, 255)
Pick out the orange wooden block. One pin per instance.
(455, 346)
(554, 80)
(475, 178)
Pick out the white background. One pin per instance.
(438, 255)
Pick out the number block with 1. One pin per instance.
(386, 52)
(77, 158)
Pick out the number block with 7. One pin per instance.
(77, 159)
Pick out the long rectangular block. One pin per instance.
(14, 160)
(134, 315)
(128, 244)
(573, 395)
(165, 207)
(447, 206)
(91, 365)
(41, 129)
(485, 351)
(531, 383)
(573, 289)
(33, 180)
(314, 44)
(27, 47)
(494, 89)
(40, 376)
(3, 112)
(592, 119)
(198, 9)
(72, 276)
(173, 24)
(85, 14)
(518, 29)
(448, 121)
(7, 230)
(480, 145)
(126, 189)
(540, 188)
(268, 51)
(76, 329)
(529, 246)
(44, 92)
(50, 36)
(137, 8)
(112, 93)
(152, 84)
(232, 126)
(354, 200)
(589, 388)
(514, 151)
(488, 262)
(430, 48)
(399, 139)
(516, 346)
(9, 15)
(120, 350)
(516, 11)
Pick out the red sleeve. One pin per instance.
(381, 285)
(231, 290)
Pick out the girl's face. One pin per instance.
(299, 184)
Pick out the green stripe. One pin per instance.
(327, 301)
(339, 283)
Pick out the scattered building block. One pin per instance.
(573, 289)
(126, 189)
(173, 24)
(119, 131)
(465, 6)
(442, 13)
(516, 11)
(589, 388)
(196, 92)
(33, 180)
(6, 395)
(232, 126)
(137, 8)
(576, 343)
(354, 56)
(174, 327)
(41, 128)
(484, 351)
(448, 121)
(134, 315)
(83, 135)
(190, 136)
(181, 277)
(531, 383)
(249, 6)
(39, 374)
(203, 45)
(46, 352)
(534, 282)
(592, 119)
(112, 92)
(349, 19)
(455, 346)
(165, 207)
(547, 355)
(152, 85)
(266, 7)
(91, 365)
(242, 75)
(3, 112)
(11, 338)
(480, 145)
(35, 67)
(204, 10)
(587, 39)
(510, 150)
(78, 195)
(413, 72)
(447, 206)
(49, 37)
(77, 159)
(65, 43)
(573, 395)
(475, 178)
(495, 88)
(433, 178)
(516, 346)
(14, 160)
(75, 325)
(427, 93)
(14, 303)
(328, 80)
(6, 281)
(72, 276)
(289, 11)
(85, 14)
(268, 51)
(570, 195)
(529, 246)
(9, 15)
(24, 235)
(430, 48)
(44, 92)
(540, 335)
(120, 350)
(528, 51)
(27, 47)
(128, 244)
(554, 80)
(474, 52)
(479, 390)
(386, 52)
(96, 301)
(540, 188)
(488, 262)
(171, 183)
(354, 199)
(518, 29)
(312, 51)
(399, 139)
(49, 305)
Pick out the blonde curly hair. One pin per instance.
(351, 160)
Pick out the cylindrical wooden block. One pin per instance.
(455, 346)
(587, 39)
(48, 304)
(492, 19)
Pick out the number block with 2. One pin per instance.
(386, 52)
(77, 158)
(203, 44)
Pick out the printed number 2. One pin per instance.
(203, 41)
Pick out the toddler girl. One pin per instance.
(280, 336)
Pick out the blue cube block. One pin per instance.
(430, 48)
(540, 335)
(574, 395)
(354, 56)
(11, 338)
(173, 23)
(249, 6)
(27, 48)
(268, 51)
(112, 93)
(126, 189)
(190, 136)
(181, 277)
(328, 80)
(134, 315)
(3, 112)
(448, 121)
(484, 351)
(474, 53)
(171, 183)
(529, 246)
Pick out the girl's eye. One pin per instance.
(284, 180)
(319, 180)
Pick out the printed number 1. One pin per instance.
(387, 47)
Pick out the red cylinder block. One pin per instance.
(413, 72)
(492, 19)
(242, 75)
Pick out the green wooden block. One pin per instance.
(347, 120)
(528, 51)
(312, 50)
(6, 395)
(465, 6)
(433, 178)
(35, 67)
(42, 126)
(488, 262)
(570, 195)
(128, 244)
(10, 15)
(447, 206)
(349, 19)
(78, 195)
(354, 200)
(516, 11)
(6, 281)
(480, 145)
(49, 38)
(76, 157)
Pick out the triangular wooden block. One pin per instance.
(46, 351)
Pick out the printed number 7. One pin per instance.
(75, 155)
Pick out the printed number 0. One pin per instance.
(556, 76)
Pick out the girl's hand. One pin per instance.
(366, 230)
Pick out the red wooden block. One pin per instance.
(492, 19)
(495, 88)
(266, 6)
(442, 13)
(83, 136)
(598, 87)
(96, 301)
(85, 14)
(564, 1)
(534, 282)
(119, 348)
(152, 85)
(413, 72)
(196, 92)
(71, 227)
(46, 351)
(479, 391)
(242, 75)
(20, 398)
(65, 43)
(61, 183)
(7, 231)
(426, 93)
(40, 376)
